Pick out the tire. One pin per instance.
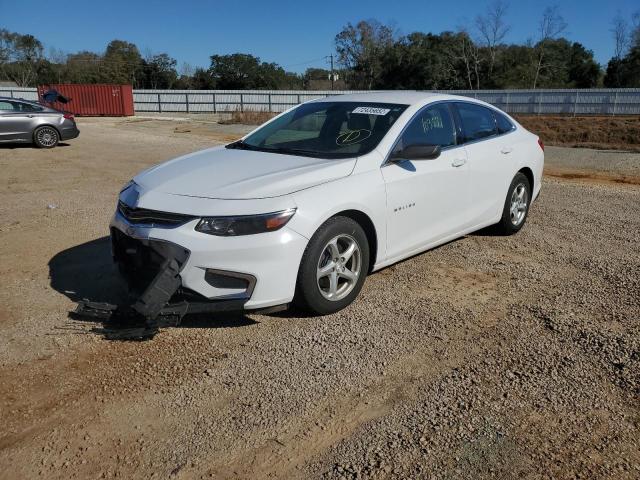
(320, 277)
(516, 206)
(46, 137)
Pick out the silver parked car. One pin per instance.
(29, 122)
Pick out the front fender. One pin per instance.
(363, 192)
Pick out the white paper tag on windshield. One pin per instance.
(372, 110)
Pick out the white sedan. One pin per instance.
(304, 207)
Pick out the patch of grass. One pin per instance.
(249, 118)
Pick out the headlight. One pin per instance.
(245, 224)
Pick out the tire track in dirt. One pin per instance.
(340, 417)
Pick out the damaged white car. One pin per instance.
(303, 208)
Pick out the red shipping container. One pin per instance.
(92, 99)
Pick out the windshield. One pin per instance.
(326, 129)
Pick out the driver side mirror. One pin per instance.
(416, 152)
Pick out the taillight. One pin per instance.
(541, 144)
(68, 116)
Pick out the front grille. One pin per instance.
(152, 217)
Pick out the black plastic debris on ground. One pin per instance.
(152, 310)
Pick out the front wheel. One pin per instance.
(46, 137)
(333, 268)
(516, 205)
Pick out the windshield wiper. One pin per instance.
(307, 153)
(295, 151)
(240, 145)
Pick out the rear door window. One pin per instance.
(477, 121)
(28, 107)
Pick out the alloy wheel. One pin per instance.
(339, 267)
(518, 208)
(47, 137)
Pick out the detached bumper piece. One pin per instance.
(152, 309)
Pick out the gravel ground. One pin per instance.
(610, 161)
(488, 357)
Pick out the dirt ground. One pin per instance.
(621, 132)
(488, 357)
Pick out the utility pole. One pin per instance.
(332, 75)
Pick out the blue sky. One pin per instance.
(295, 34)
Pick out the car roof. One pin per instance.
(13, 99)
(31, 102)
(405, 97)
(21, 100)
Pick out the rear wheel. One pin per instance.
(516, 205)
(46, 137)
(333, 268)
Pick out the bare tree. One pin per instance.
(552, 24)
(468, 53)
(186, 70)
(58, 62)
(186, 74)
(634, 39)
(493, 28)
(620, 31)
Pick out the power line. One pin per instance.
(304, 63)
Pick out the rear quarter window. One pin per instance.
(503, 123)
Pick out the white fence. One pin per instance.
(623, 101)
(19, 92)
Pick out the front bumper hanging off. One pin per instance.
(152, 308)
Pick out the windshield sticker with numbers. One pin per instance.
(372, 110)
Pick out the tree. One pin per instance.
(630, 75)
(423, 61)
(21, 57)
(241, 71)
(583, 71)
(623, 70)
(466, 51)
(551, 25)
(6, 46)
(203, 80)
(160, 71)
(493, 28)
(513, 70)
(122, 63)
(360, 49)
(620, 31)
(185, 77)
(635, 29)
(83, 67)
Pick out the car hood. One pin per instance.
(230, 174)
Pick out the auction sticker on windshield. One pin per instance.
(372, 110)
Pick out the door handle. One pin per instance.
(506, 150)
(30, 116)
(458, 162)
